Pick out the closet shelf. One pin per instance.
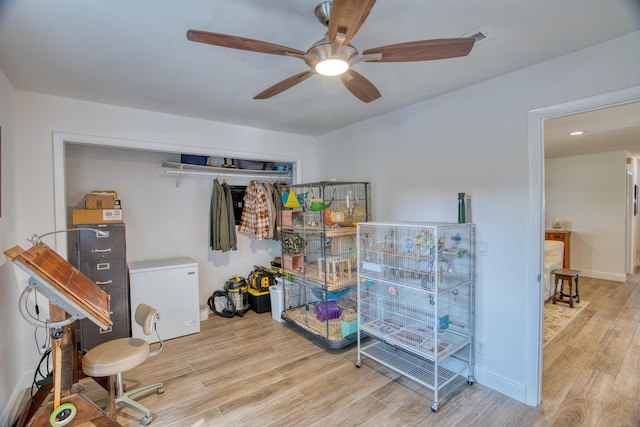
(180, 169)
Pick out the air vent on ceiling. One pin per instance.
(479, 35)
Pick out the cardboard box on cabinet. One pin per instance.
(99, 201)
(96, 216)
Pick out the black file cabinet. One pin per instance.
(102, 258)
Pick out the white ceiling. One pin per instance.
(610, 129)
(134, 53)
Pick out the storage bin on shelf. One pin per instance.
(192, 159)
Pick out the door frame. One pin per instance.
(533, 363)
(631, 192)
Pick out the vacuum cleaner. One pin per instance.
(234, 298)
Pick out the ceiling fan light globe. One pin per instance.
(331, 67)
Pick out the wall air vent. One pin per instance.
(479, 35)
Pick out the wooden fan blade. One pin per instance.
(347, 16)
(283, 85)
(362, 88)
(235, 42)
(423, 50)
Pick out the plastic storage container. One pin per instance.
(260, 302)
(192, 159)
(277, 302)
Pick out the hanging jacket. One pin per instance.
(271, 211)
(274, 196)
(219, 219)
(255, 213)
(233, 238)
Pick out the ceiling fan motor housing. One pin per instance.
(322, 50)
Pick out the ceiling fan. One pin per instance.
(333, 55)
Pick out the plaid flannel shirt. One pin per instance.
(255, 213)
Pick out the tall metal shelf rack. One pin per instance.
(416, 300)
(318, 234)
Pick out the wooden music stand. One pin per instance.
(70, 290)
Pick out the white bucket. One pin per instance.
(204, 312)
(277, 302)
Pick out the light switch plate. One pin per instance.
(482, 248)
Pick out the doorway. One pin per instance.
(588, 189)
(537, 217)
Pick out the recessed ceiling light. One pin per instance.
(576, 133)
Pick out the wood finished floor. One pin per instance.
(252, 370)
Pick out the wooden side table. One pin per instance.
(571, 276)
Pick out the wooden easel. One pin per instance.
(71, 294)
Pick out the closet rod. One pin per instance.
(285, 176)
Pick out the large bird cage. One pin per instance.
(318, 233)
(415, 298)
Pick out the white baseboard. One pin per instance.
(508, 388)
(10, 413)
(616, 277)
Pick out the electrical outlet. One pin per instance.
(482, 248)
(481, 347)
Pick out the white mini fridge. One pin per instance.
(170, 286)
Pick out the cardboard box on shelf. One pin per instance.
(99, 201)
(96, 216)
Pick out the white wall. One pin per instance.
(587, 193)
(18, 333)
(475, 140)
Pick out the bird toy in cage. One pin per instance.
(424, 243)
(409, 244)
(457, 239)
(292, 200)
